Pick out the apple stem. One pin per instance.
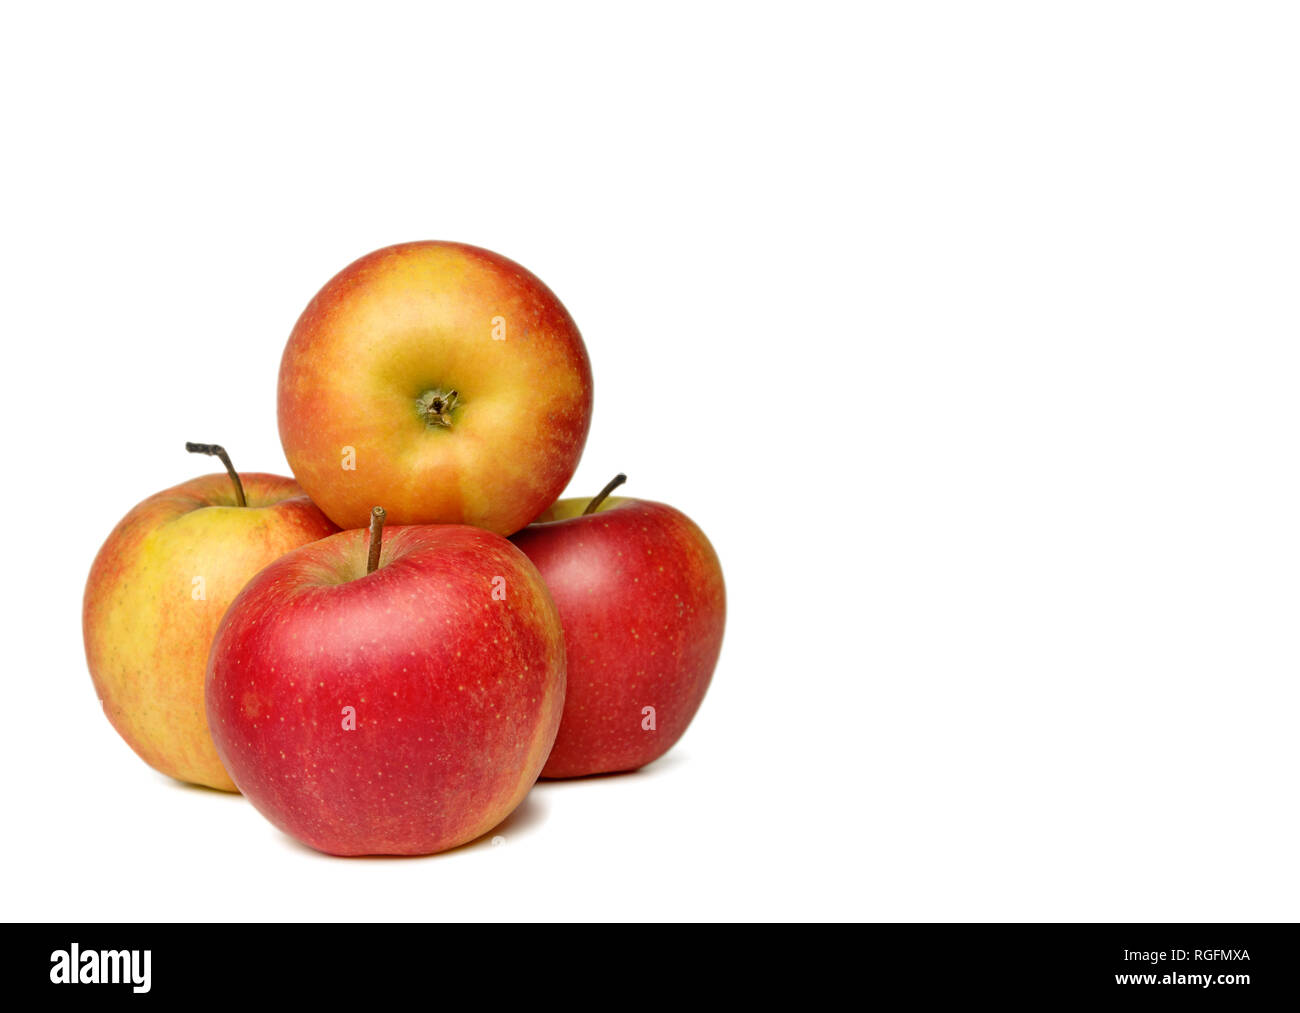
(376, 538)
(215, 450)
(614, 483)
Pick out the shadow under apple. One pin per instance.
(529, 814)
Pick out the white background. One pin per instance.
(967, 332)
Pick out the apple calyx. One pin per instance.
(435, 407)
(376, 538)
(216, 450)
(613, 484)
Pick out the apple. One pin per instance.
(156, 594)
(641, 598)
(441, 380)
(395, 694)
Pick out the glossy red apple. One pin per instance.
(441, 380)
(641, 597)
(402, 711)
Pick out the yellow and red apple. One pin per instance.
(156, 594)
(641, 597)
(441, 380)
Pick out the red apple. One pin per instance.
(441, 380)
(640, 594)
(402, 711)
(157, 592)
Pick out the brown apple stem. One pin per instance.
(376, 538)
(614, 483)
(216, 450)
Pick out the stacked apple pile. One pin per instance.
(385, 654)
